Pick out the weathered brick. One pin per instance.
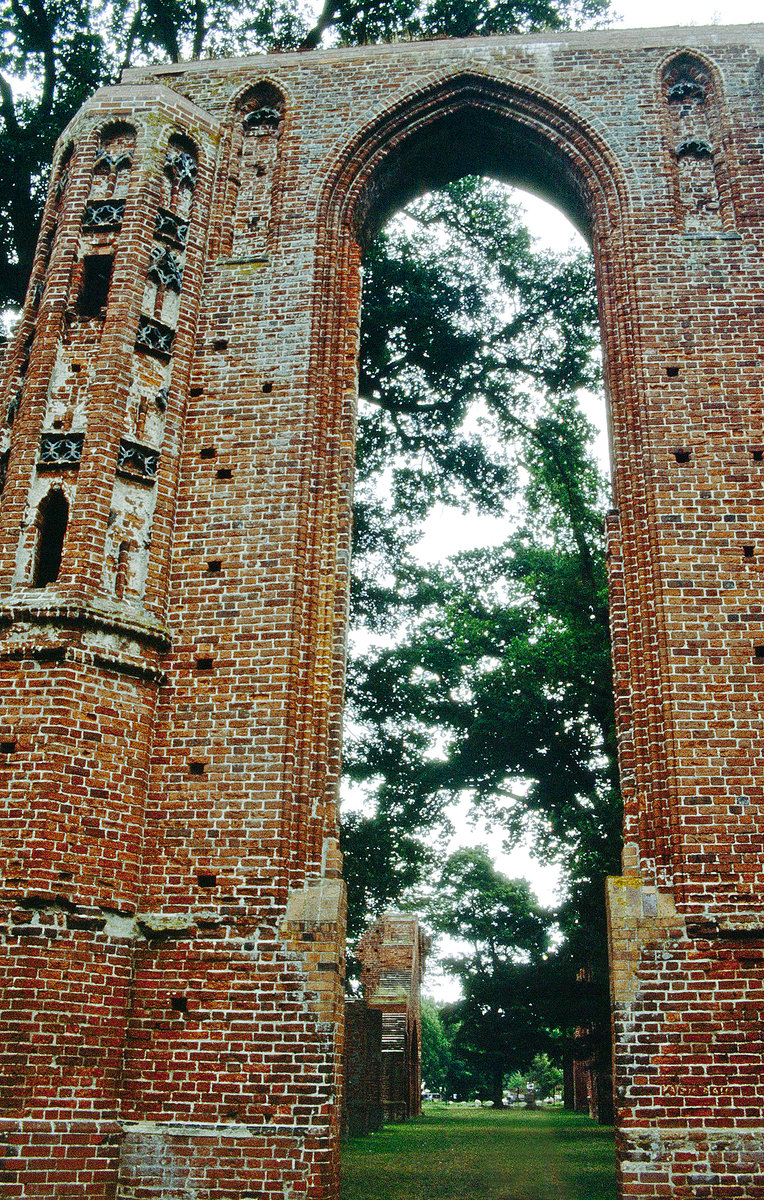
(170, 703)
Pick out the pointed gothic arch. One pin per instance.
(463, 123)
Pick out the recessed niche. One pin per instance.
(672, 372)
(207, 452)
(220, 344)
(267, 387)
(8, 747)
(179, 1004)
(682, 456)
(759, 651)
(204, 664)
(747, 551)
(215, 566)
(758, 455)
(224, 473)
(196, 768)
(96, 279)
(206, 879)
(52, 518)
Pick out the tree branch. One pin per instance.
(200, 29)
(326, 18)
(8, 108)
(132, 33)
(324, 21)
(38, 28)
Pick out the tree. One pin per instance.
(436, 1049)
(500, 665)
(545, 1076)
(506, 936)
(516, 1084)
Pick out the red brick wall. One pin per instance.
(393, 953)
(362, 1111)
(170, 714)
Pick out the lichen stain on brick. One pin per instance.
(197, 286)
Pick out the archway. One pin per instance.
(472, 123)
(443, 670)
(249, 562)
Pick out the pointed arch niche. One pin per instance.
(50, 530)
(471, 123)
(259, 120)
(694, 121)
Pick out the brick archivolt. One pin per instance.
(596, 184)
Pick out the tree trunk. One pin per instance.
(497, 1090)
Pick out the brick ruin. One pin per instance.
(177, 452)
(362, 1109)
(588, 1071)
(393, 954)
(382, 1073)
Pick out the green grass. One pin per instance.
(478, 1154)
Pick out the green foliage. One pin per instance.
(516, 1084)
(436, 1049)
(499, 1021)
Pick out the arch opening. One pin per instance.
(473, 140)
(473, 124)
(52, 520)
(426, 667)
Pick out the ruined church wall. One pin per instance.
(171, 701)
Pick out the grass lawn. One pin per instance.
(478, 1154)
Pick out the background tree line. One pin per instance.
(487, 676)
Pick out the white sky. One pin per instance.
(648, 14)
